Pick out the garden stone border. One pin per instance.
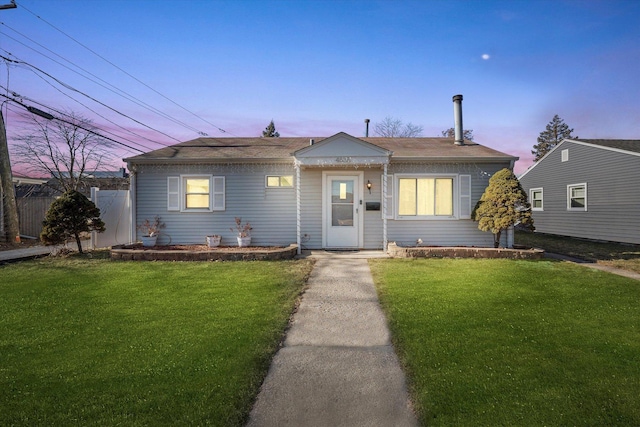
(396, 251)
(136, 253)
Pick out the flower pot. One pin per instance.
(244, 241)
(149, 240)
(213, 241)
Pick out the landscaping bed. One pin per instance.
(396, 251)
(202, 253)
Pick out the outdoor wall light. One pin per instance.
(369, 185)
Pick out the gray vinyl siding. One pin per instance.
(311, 211)
(271, 211)
(462, 232)
(613, 199)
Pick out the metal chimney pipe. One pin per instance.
(366, 121)
(457, 118)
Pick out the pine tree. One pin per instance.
(270, 131)
(68, 216)
(556, 131)
(502, 205)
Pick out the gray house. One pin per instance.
(587, 188)
(338, 192)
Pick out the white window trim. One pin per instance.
(280, 187)
(564, 154)
(176, 200)
(571, 186)
(531, 191)
(456, 197)
(390, 199)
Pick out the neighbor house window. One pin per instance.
(535, 195)
(577, 197)
(565, 155)
(195, 193)
(279, 181)
(425, 196)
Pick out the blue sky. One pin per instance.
(320, 67)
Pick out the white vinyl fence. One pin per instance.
(115, 211)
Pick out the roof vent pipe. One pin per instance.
(311, 141)
(366, 121)
(457, 118)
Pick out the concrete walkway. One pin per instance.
(337, 366)
(595, 266)
(37, 251)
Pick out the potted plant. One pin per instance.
(150, 230)
(213, 240)
(243, 232)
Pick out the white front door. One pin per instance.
(342, 211)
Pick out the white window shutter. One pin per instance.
(465, 197)
(218, 193)
(390, 190)
(173, 193)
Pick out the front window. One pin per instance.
(197, 194)
(535, 194)
(577, 197)
(425, 197)
(279, 181)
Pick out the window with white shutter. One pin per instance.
(217, 195)
(465, 196)
(173, 193)
(196, 193)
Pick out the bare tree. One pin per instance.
(391, 127)
(451, 133)
(68, 150)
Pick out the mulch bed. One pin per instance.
(200, 248)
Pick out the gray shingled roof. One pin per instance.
(217, 149)
(632, 145)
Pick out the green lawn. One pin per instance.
(514, 343)
(93, 342)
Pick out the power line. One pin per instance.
(24, 114)
(93, 111)
(125, 72)
(88, 96)
(103, 130)
(112, 88)
(37, 112)
(67, 115)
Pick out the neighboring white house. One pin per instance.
(587, 188)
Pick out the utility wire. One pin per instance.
(96, 113)
(112, 88)
(88, 96)
(74, 124)
(125, 72)
(25, 114)
(16, 95)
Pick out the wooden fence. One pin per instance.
(31, 213)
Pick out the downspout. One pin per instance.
(384, 208)
(133, 182)
(298, 207)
